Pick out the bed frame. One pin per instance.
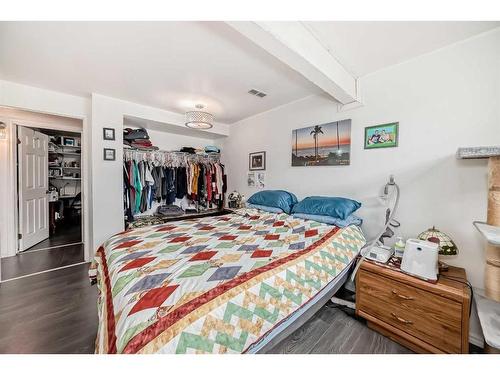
(301, 316)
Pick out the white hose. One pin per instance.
(374, 241)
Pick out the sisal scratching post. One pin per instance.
(492, 270)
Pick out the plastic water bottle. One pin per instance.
(399, 247)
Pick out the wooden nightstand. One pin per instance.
(425, 317)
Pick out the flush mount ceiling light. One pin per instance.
(199, 119)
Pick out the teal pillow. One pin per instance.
(274, 198)
(340, 208)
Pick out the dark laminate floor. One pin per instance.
(64, 235)
(54, 312)
(36, 261)
(332, 331)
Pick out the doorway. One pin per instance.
(48, 184)
(49, 188)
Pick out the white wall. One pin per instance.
(443, 100)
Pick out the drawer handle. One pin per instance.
(401, 319)
(402, 296)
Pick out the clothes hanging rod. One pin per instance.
(164, 156)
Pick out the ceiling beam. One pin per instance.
(296, 46)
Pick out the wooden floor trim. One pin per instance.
(38, 273)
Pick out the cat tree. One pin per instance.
(488, 301)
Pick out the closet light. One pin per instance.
(3, 131)
(199, 119)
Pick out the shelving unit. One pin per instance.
(67, 166)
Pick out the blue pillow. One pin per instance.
(273, 210)
(351, 220)
(274, 198)
(336, 207)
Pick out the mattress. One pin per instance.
(217, 284)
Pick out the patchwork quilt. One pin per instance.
(213, 285)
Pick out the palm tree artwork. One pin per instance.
(315, 133)
(339, 151)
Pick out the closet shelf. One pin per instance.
(66, 178)
(65, 153)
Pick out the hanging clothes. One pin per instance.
(147, 181)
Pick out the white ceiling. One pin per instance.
(365, 47)
(174, 65)
(169, 65)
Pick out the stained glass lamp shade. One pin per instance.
(446, 244)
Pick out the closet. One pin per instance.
(180, 184)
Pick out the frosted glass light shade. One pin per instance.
(199, 120)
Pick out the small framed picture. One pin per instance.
(382, 136)
(251, 179)
(109, 154)
(257, 161)
(108, 134)
(261, 180)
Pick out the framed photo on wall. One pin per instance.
(108, 134)
(257, 161)
(251, 179)
(382, 136)
(324, 144)
(109, 154)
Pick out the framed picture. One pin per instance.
(257, 161)
(108, 134)
(261, 180)
(382, 136)
(251, 179)
(109, 154)
(325, 144)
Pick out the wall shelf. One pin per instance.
(481, 152)
(490, 232)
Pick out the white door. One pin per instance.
(33, 182)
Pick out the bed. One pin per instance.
(236, 283)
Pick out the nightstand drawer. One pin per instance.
(422, 314)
